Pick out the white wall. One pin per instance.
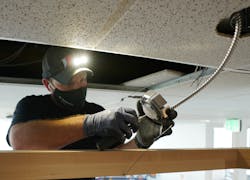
(5, 123)
(185, 135)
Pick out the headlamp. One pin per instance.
(79, 60)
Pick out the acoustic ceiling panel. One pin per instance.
(182, 31)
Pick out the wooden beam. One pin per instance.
(78, 164)
(244, 158)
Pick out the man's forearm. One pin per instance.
(47, 134)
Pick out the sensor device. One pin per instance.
(154, 106)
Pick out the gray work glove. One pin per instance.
(149, 129)
(118, 124)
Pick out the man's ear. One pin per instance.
(46, 83)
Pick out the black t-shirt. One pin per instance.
(41, 107)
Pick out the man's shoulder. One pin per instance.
(29, 108)
(32, 101)
(34, 98)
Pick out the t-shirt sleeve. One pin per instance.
(22, 113)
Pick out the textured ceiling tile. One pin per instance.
(176, 30)
(57, 22)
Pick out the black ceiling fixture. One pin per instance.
(23, 60)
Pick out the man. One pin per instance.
(65, 120)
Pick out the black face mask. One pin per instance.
(73, 100)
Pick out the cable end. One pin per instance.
(226, 26)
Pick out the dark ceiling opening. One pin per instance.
(23, 60)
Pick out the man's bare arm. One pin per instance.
(47, 134)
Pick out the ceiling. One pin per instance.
(160, 40)
(24, 60)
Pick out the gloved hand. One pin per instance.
(149, 129)
(118, 124)
(108, 142)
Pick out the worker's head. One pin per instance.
(65, 75)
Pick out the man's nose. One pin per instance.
(80, 80)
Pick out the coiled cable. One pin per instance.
(223, 63)
(232, 46)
